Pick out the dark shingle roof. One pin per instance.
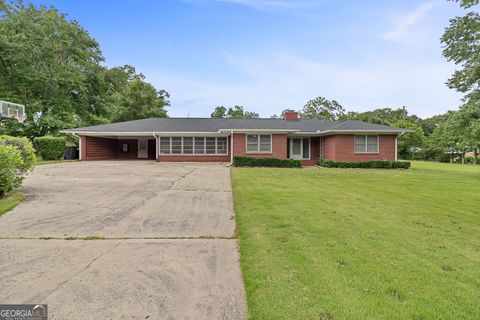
(214, 125)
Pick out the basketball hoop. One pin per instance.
(12, 111)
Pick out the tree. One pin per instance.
(462, 46)
(237, 112)
(410, 143)
(219, 112)
(385, 116)
(321, 108)
(52, 65)
(141, 100)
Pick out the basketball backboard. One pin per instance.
(12, 111)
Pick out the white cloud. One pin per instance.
(277, 81)
(405, 25)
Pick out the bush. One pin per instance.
(266, 162)
(373, 164)
(50, 148)
(10, 161)
(24, 146)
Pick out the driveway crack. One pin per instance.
(83, 269)
(180, 178)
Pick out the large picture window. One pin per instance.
(259, 143)
(366, 143)
(194, 145)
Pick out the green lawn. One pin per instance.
(9, 202)
(360, 244)
(40, 161)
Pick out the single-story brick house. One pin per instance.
(218, 140)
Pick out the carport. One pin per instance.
(110, 147)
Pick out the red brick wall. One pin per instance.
(279, 147)
(329, 147)
(95, 148)
(340, 147)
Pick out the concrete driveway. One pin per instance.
(163, 242)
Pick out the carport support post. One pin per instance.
(79, 146)
(156, 146)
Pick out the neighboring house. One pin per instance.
(219, 140)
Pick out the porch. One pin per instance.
(305, 148)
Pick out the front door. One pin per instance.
(296, 148)
(142, 148)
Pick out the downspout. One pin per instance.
(79, 146)
(231, 148)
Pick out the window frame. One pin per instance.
(365, 145)
(194, 153)
(258, 143)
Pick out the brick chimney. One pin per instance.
(290, 115)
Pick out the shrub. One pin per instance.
(266, 162)
(10, 161)
(372, 164)
(50, 148)
(24, 146)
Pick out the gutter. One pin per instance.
(231, 148)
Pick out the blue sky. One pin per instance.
(268, 55)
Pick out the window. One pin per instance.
(187, 145)
(372, 143)
(194, 145)
(265, 143)
(306, 148)
(222, 145)
(252, 143)
(199, 145)
(210, 145)
(366, 144)
(176, 145)
(259, 143)
(164, 145)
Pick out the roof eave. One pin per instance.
(258, 130)
(392, 131)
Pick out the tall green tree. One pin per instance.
(141, 100)
(321, 108)
(52, 65)
(461, 41)
(45, 62)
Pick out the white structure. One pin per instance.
(13, 111)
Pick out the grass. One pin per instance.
(10, 201)
(360, 244)
(40, 161)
